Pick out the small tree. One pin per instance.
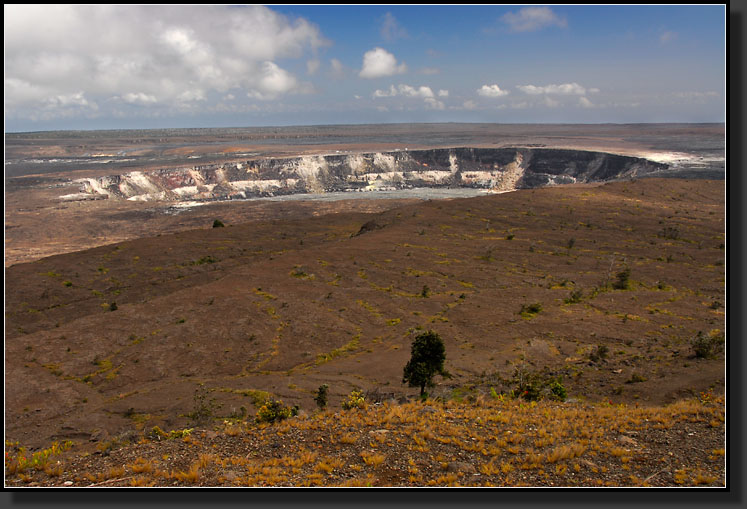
(427, 360)
(321, 396)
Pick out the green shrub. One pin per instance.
(273, 410)
(600, 353)
(708, 346)
(355, 400)
(530, 310)
(557, 391)
(321, 396)
(534, 386)
(623, 280)
(575, 296)
(218, 224)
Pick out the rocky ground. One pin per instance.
(604, 289)
(477, 442)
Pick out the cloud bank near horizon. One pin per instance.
(106, 66)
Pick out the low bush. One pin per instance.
(355, 400)
(530, 310)
(534, 386)
(623, 280)
(321, 396)
(708, 346)
(273, 410)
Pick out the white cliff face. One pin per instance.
(499, 170)
(511, 174)
(453, 163)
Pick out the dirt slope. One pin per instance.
(121, 338)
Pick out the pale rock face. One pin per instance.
(497, 170)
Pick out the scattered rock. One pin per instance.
(461, 466)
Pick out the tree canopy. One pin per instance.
(426, 361)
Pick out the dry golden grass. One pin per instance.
(141, 466)
(372, 459)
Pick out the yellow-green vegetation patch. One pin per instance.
(368, 307)
(264, 294)
(300, 273)
(257, 397)
(345, 349)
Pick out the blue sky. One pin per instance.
(110, 67)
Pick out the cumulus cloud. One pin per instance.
(530, 19)
(378, 63)
(585, 103)
(391, 29)
(422, 92)
(408, 91)
(564, 89)
(139, 98)
(434, 104)
(159, 56)
(469, 105)
(491, 91)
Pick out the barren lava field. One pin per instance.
(600, 287)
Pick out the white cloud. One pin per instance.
(550, 102)
(162, 56)
(564, 89)
(407, 91)
(530, 19)
(338, 70)
(312, 66)
(76, 99)
(139, 98)
(391, 29)
(491, 91)
(378, 63)
(434, 104)
(469, 105)
(585, 103)
(422, 92)
(385, 93)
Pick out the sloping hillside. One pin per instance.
(602, 288)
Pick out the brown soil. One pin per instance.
(107, 343)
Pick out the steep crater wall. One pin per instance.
(503, 169)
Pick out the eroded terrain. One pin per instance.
(66, 191)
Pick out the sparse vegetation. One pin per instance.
(623, 280)
(321, 396)
(708, 346)
(529, 311)
(356, 399)
(274, 410)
